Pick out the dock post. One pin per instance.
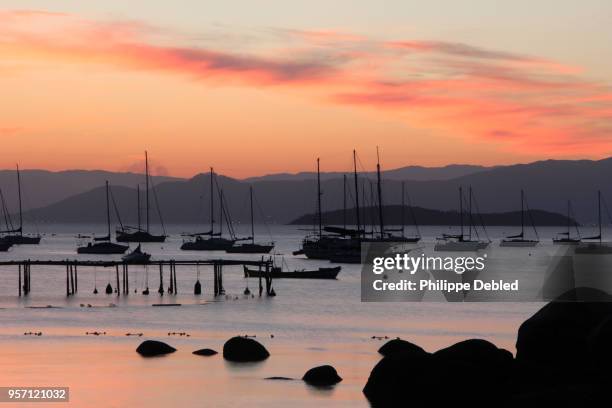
(19, 280)
(27, 266)
(161, 279)
(67, 281)
(221, 290)
(117, 276)
(267, 279)
(127, 279)
(215, 283)
(175, 285)
(171, 286)
(71, 279)
(76, 277)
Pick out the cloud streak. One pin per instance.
(520, 102)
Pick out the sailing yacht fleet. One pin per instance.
(338, 244)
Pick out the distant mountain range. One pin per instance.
(547, 185)
(41, 187)
(423, 216)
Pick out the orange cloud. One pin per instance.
(523, 103)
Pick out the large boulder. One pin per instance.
(400, 346)
(205, 352)
(420, 377)
(150, 348)
(557, 337)
(241, 349)
(322, 376)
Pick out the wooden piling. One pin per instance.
(117, 275)
(161, 279)
(19, 280)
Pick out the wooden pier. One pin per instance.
(122, 285)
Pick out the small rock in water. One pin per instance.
(151, 348)
(205, 352)
(279, 378)
(322, 376)
(241, 349)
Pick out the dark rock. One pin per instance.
(558, 335)
(150, 348)
(599, 347)
(442, 377)
(240, 349)
(205, 352)
(400, 346)
(324, 375)
(279, 378)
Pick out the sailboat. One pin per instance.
(459, 242)
(215, 240)
(566, 237)
(323, 246)
(252, 247)
(597, 246)
(137, 256)
(5, 246)
(131, 234)
(519, 240)
(103, 245)
(15, 235)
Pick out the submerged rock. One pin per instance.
(205, 352)
(400, 346)
(324, 375)
(150, 348)
(277, 378)
(241, 349)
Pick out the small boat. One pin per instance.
(252, 247)
(103, 245)
(459, 242)
(15, 235)
(131, 234)
(277, 273)
(215, 241)
(137, 256)
(565, 238)
(518, 240)
(597, 247)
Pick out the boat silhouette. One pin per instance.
(519, 240)
(137, 256)
(596, 244)
(139, 234)
(565, 238)
(103, 245)
(14, 236)
(211, 240)
(462, 241)
(250, 247)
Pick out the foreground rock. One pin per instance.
(205, 352)
(240, 349)
(322, 376)
(396, 346)
(151, 348)
(568, 335)
(441, 377)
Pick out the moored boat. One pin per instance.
(519, 240)
(277, 273)
(137, 256)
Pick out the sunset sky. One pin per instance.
(257, 87)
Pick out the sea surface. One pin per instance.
(308, 323)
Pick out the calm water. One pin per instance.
(313, 323)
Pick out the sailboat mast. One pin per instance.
(221, 213)
(344, 201)
(212, 204)
(522, 214)
(252, 223)
(356, 192)
(379, 190)
(108, 228)
(20, 208)
(568, 218)
(403, 205)
(470, 213)
(147, 187)
(461, 210)
(599, 212)
(138, 202)
(319, 215)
